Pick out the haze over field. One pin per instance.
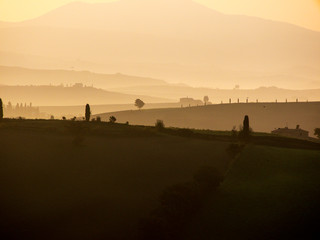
(301, 13)
(176, 40)
(265, 117)
(159, 119)
(67, 87)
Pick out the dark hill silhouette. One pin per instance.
(112, 182)
(153, 38)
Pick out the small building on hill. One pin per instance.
(185, 102)
(295, 133)
(78, 85)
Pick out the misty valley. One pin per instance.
(159, 120)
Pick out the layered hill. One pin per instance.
(262, 94)
(141, 86)
(177, 40)
(66, 96)
(264, 117)
(24, 76)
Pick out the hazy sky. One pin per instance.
(305, 13)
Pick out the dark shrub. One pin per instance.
(234, 132)
(112, 119)
(178, 206)
(208, 179)
(179, 201)
(234, 149)
(159, 125)
(77, 130)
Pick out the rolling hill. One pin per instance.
(264, 117)
(104, 188)
(265, 196)
(194, 45)
(78, 110)
(65, 96)
(140, 86)
(262, 94)
(24, 76)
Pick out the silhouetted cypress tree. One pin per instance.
(205, 100)
(88, 113)
(1, 109)
(246, 127)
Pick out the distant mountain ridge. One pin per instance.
(69, 96)
(176, 40)
(261, 94)
(24, 76)
(160, 90)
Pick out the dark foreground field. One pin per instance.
(70, 180)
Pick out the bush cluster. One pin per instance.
(178, 204)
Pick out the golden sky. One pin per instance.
(304, 13)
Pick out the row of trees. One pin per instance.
(20, 110)
(206, 100)
(139, 104)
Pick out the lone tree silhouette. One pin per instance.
(246, 127)
(206, 100)
(139, 103)
(1, 110)
(88, 113)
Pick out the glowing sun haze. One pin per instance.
(304, 13)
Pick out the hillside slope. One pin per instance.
(66, 96)
(264, 117)
(270, 193)
(262, 94)
(99, 190)
(141, 86)
(105, 186)
(24, 76)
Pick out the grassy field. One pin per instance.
(52, 188)
(270, 193)
(264, 117)
(103, 185)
